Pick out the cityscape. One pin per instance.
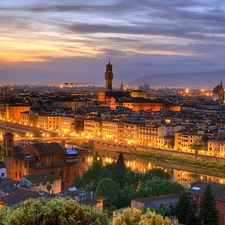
(115, 120)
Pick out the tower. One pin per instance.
(108, 77)
(8, 151)
(221, 93)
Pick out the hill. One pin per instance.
(203, 79)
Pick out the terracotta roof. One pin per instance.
(19, 195)
(41, 177)
(49, 148)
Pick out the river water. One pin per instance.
(184, 174)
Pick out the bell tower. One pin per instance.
(221, 93)
(108, 77)
(8, 147)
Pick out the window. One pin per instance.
(44, 183)
(61, 173)
(51, 182)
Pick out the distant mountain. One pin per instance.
(203, 79)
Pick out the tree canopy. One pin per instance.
(158, 186)
(127, 184)
(208, 211)
(110, 190)
(135, 217)
(184, 212)
(57, 211)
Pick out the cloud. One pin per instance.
(142, 37)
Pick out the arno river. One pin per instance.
(184, 174)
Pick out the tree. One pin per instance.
(208, 212)
(110, 190)
(156, 172)
(204, 139)
(183, 210)
(49, 187)
(120, 171)
(135, 217)
(59, 211)
(158, 186)
(93, 175)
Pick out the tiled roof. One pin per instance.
(49, 148)
(19, 195)
(7, 185)
(155, 202)
(198, 188)
(41, 177)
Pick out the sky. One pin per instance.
(57, 41)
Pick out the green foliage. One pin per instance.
(59, 211)
(182, 160)
(49, 187)
(93, 175)
(204, 139)
(156, 172)
(208, 212)
(120, 171)
(183, 210)
(164, 210)
(197, 147)
(158, 186)
(135, 217)
(118, 184)
(109, 190)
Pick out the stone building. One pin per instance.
(39, 157)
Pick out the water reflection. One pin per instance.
(180, 173)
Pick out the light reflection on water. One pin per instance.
(180, 173)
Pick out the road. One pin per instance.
(25, 131)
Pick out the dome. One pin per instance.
(216, 90)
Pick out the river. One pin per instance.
(183, 174)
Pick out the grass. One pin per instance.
(184, 160)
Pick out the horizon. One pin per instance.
(57, 41)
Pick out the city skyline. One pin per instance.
(71, 41)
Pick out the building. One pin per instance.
(184, 139)
(155, 202)
(40, 182)
(85, 198)
(13, 111)
(92, 128)
(221, 93)
(108, 77)
(39, 157)
(19, 195)
(196, 192)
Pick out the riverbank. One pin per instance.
(166, 155)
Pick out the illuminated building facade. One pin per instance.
(184, 139)
(13, 112)
(50, 158)
(92, 128)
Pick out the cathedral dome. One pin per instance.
(216, 90)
